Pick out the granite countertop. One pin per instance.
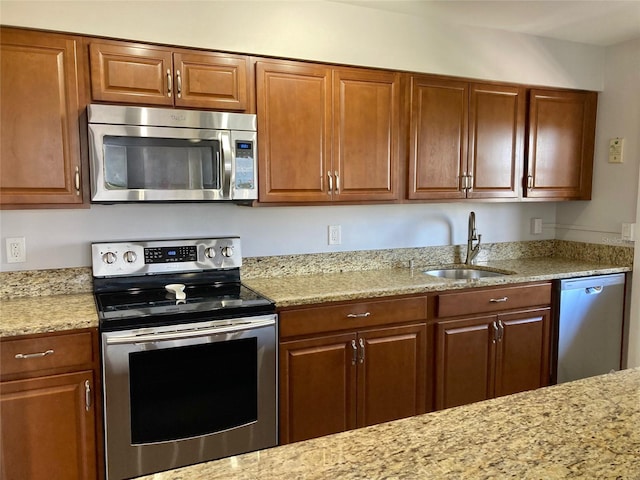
(51, 313)
(289, 291)
(587, 428)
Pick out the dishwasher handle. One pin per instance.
(593, 290)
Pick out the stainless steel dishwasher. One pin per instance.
(589, 326)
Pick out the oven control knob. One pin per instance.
(130, 256)
(109, 258)
(210, 252)
(227, 251)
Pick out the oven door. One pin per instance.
(184, 394)
(135, 164)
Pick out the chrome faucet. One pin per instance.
(472, 252)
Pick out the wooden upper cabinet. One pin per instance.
(496, 141)
(150, 75)
(327, 135)
(438, 138)
(365, 135)
(466, 139)
(294, 132)
(561, 144)
(41, 94)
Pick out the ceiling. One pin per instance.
(595, 22)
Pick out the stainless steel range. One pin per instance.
(189, 355)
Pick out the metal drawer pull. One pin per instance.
(87, 395)
(24, 356)
(499, 300)
(359, 315)
(361, 350)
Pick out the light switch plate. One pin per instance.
(628, 231)
(616, 148)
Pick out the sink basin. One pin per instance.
(463, 273)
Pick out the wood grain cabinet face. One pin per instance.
(40, 89)
(327, 135)
(147, 75)
(481, 357)
(561, 144)
(466, 139)
(332, 382)
(48, 407)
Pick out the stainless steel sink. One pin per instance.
(463, 273)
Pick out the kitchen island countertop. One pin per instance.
(583, 429)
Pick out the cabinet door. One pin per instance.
(131, 73)
(496, 136)
(40, 88)
(438, 138)
(208, 80)
(522, 361)
(48, 429)
(365, 135)
(317, 387)
(465, 358)
(294, 132)
(392, 366)
(561, 142)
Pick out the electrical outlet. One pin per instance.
(628, 232)
(335, 234)
(16, 250)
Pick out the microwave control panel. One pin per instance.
(245, 174)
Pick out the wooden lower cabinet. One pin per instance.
(48, 428)
(333, 383)
(490, 356)
(48, 412)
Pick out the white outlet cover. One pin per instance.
(16, 250)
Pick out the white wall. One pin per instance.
(323, 31)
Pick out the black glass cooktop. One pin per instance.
(158, 306)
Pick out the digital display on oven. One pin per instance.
(187, 253)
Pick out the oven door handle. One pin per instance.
(191, 333)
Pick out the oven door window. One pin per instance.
(161, 163)
(194, 390)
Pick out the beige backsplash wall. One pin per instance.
(79, 280)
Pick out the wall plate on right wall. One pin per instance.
(615, 150)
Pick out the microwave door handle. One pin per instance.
(227, 162)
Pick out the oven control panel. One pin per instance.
(165, 256)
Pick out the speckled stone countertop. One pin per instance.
(289, 291)
(52, 313)
(584, 429)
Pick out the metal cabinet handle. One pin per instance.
(469, 182)
(361, 350)
(496, 332)
(499, 300)
(463, 181)
(354, 359)
(337, 181)
(25, 356)
(87, 395)
(359, 315)
(77, 180)
(500, 330)
(169, 83)
(529, 182)
(330, 183)
(179, 83)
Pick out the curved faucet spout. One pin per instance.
(472, 236)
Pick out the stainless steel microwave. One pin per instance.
(140, 154)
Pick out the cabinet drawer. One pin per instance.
(493, 300)
(351, 316)
(21, 356)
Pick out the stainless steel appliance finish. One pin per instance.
(189, 355)
(140, 154)
(590, 326)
